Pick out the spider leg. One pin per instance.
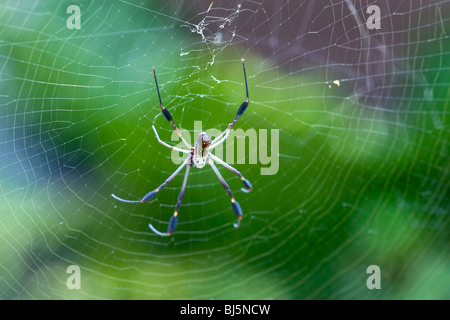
(168, 145)
(167, 114)
(173, 221)
(247, 184)
(239, 113)
(234, 204)
(217, 142)
(151, 194)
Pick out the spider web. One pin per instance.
(363, 171)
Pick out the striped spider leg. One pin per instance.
(198, 156)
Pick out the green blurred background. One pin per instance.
(363, 176)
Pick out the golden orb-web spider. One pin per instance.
(198, 156)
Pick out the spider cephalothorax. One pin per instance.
(199, 155)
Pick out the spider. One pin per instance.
(198, 156)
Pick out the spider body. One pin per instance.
(199, 156)
(201, 150)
